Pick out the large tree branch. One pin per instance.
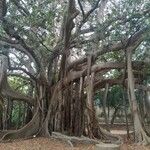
(81, 7)
(23, 70)
(74, 75)
(20, 7)
(3, 9)
(17, 46)
(9, 29)
(19, 76)
(85, 17)
(122, 20)
(101, 84)
(72, 12)
(90, 11)
(136, 39)
(17, 96)
(5, 89)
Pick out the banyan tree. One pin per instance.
(62, 52)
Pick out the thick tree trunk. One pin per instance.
(140, 135)
(104, 107)
(126, 112)
(78, 110)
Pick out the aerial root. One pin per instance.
(71, 140)
(28, 131)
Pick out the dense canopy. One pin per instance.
(58, 56)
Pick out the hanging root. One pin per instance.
(71, 140)
(112, 138)
(44, 130)
(146, 139)
(29, 130)
(101, 133)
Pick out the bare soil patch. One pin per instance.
(53, 144)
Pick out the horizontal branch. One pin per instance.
(101, 83)
(74, 75)
(19, 76)
(25, 71)
(137, 38)
(112, 82)
(8, 92)
(89, 13)
(20, 7)
(9, 28)
(14, 44)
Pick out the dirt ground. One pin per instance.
(53, 144)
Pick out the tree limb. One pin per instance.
(136, 39)
(3, 9)
(20, 7)
(17, 96)
(25, 71)
(81, 7)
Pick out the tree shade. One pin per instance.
(55, 55)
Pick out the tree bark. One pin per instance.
(104, 107)
(140, 135)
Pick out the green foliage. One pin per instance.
(19, 84)
(98, 98)
(41, 31)
(115, 96)
(17, 114)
